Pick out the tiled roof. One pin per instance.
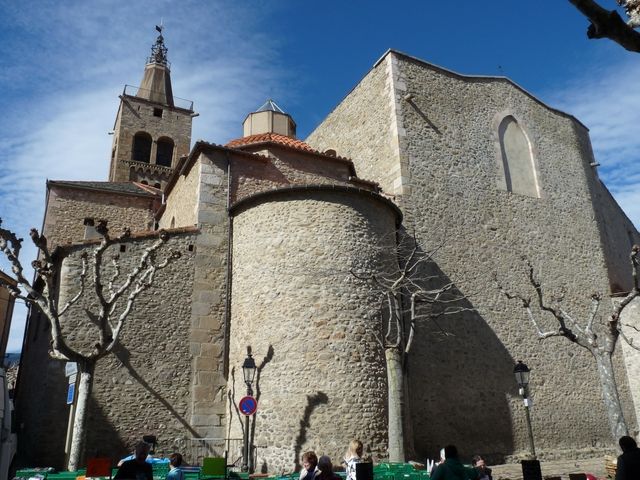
(272, 138)
(130, 188)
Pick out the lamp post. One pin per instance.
(521, 372)
(249, 373)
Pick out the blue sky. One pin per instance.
(63, 65)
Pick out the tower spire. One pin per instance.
(158, 49)
(156, 82)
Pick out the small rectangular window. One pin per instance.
(123, 248)
(157, 112)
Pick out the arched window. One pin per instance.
(141, 147)
(164, 154)
(517, 160)
(157, 185)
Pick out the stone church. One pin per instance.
(269, 227)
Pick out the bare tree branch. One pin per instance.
(45, 297)
(83, 276)
(600, 346)
(608, 24)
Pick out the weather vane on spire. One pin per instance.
(158, 49)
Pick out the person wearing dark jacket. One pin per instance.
(452, 468)
(138, 468)
(629, 462)
(484, 472)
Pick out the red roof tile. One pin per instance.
(270, 137)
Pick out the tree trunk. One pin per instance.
(395, 380)
(78, 436)
(610, 394)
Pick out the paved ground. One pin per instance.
(558, 468)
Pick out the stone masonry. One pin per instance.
(312, 326)
(139, 115)
(271, 227)
(143, 386)
(462, 389)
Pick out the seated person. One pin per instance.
(326, 469)
(175, 462)
(452, 468)
(484, 472)
(309, 466)
(136, 468)
(150, 458)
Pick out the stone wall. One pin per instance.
(311, 324)
(141, 388)
(68, 207)
(456, 162)
(618, 236)
(208, 336)
(137, 115)
(181, 207)
(279, 167)
(631, 316)
(41, 412)
(361, 128)
(462, 385)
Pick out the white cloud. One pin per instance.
(66, 64)
(607, 100)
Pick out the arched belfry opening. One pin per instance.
(518, 166)
(141, 151)
(164, 151)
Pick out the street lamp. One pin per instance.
(249, 373)
(521, 372)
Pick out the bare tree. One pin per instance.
(411, 293)
(115, 302)
(599, 338)
(608, 24)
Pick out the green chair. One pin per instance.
(160, 470)
(214, 468)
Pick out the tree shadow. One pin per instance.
(419, 111)
(103, 439)
(123, 355)
(460, 377)
(313, 401)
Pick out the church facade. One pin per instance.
(270, 227)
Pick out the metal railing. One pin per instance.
(133, 91)
(199, 448)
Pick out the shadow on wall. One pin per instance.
(123, 355)
(264, 468)
(460, 376)
(103, 439)
(313, 401)
(41, 410)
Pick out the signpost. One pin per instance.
(71, 393)
(71, 372)
(248, 405)
(70, 368)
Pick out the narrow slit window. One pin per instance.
(518, 166)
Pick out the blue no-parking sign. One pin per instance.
(248, 405)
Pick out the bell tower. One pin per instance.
(153, 128)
